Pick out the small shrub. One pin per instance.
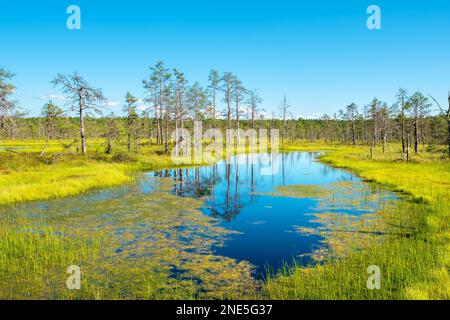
(123, 157)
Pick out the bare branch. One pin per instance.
(437, 103)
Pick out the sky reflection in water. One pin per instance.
(242, 199)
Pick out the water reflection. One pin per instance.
(226, 213)
(267, 220)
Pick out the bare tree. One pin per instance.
(374, 112)
(383, 116)
(180, 101)
(419, 109)
(283, 112)
(51, 115)
(197, 101)
(446, 114)
(254, 101)
(168, 100)
(81, 98)
(152, 109)
(402, 100)
(8, 106)
(132, 120)
(327, 134)
(351, 114)
(239, 93)
(227, 87)
(112, 133)
(214, 81)
(156, 86)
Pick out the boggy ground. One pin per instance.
(412, 246)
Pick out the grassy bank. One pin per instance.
(414, 256)
(24, 176)
(62, 171)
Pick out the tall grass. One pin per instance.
(25, 177)
(34, 259)
(414, 258)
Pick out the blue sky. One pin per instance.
(319, 53)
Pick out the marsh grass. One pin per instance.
(142, 246)
(403, 260)
(414, 253)
(26, 177)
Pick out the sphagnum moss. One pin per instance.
(124, 252)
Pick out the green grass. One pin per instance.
(426, 177)
(35, 251)
(34, 261)
(41, 181)
(414, 258)
(26, 177)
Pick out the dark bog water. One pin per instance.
(288, 211)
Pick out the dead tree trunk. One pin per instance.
(416, 136)
(448, 125)
(408, 142)
(448, 129)
(45, 147)
(353, 132)
(82, 125)
(403, 132)
(446, 114)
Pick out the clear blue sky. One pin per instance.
(319, 53)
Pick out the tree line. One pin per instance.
(172, 103)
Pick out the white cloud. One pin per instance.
(112, 104)
(314, 115)
(142, 107)
(294, 116)
(53, 96)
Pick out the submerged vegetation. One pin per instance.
(125, 255)
(341, 230)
